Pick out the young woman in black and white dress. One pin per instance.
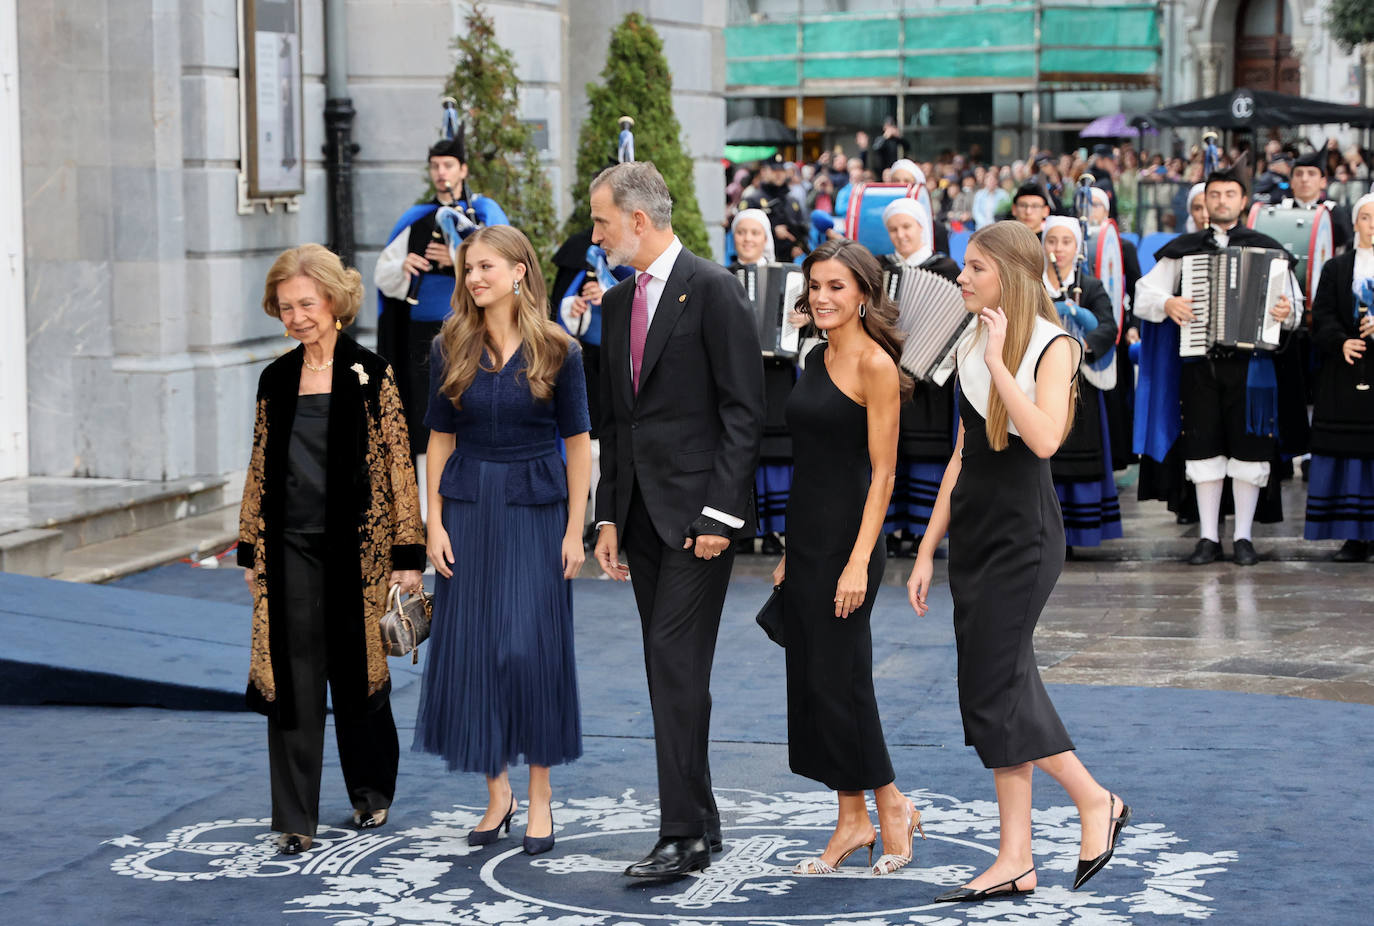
(1017, 370)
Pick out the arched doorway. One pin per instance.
(1264, 48)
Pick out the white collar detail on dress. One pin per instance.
(975, 379)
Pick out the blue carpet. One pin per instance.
(1248, 809)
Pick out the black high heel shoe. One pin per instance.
(1088, 868)
(538, 845)
(996, 892)
(487, 837)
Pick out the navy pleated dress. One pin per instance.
(500, 681)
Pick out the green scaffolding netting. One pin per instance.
(983, 42)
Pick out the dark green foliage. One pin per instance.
(502, 160)
(1351, 22)
(636, 82)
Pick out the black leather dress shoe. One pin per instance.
(1206, 551)
(1352, 551)
(673, 858)
(717, 844)
(1244, 553)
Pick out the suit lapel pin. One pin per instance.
(682, 298)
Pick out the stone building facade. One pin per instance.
(132, 335)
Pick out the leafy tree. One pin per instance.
(636, 82)
(1351, 22)
(503, 162)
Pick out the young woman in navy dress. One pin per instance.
(505, 533)
(1017, 369)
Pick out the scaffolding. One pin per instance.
(1019, 47)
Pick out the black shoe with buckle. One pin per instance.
(673, 857)
(1206, 551)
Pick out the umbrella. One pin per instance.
(759, 130)
(1116, 125)
(1243, 108)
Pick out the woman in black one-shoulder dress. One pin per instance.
(1016, 372)
(843, 414)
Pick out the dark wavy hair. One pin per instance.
(880, 316)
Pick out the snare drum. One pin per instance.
(1106, 262)
(1304, 233)
(863, 219)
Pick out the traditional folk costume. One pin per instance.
(926, 436)
(1120, 401)
(1082, 467)
(405, 328)
(1217, 414)
(1340, 493)
(773, 479)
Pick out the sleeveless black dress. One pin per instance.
(1006, 550)
(834, 735)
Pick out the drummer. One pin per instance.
(1120, 401)
(1308, 184)
(1082, 467)
(926, 434)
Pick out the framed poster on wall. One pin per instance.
(273, 100)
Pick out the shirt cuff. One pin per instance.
(601, 524)
(727, 519)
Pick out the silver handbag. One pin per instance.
(405, 625)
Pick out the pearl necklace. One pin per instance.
(321, 368)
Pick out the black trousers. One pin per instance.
(368, 748)
(679, 598)
(1212, 390)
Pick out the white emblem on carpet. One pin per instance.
(408, 875)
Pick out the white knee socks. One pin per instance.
(1209, 509)
(1246, 497)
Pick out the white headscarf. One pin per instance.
(1100, 198)
(1197, 190)
(761, 217)
(1364, 257)
(914, 208)
(910, 167)
(1067, 273)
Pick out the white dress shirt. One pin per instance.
(1162, 282)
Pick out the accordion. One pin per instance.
(1232, 291)
(931, 313)
(774, 289)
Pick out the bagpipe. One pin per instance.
(1078, 320)
(451, 224)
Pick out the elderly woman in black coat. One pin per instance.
(330, 521)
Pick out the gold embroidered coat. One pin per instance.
(372, 523)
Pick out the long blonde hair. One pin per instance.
(463, 339)
(1019, 258)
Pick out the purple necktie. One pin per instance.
(639, 327)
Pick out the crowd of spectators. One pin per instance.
(968, 191)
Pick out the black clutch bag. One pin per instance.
(770, 617)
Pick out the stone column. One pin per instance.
(1210, 57)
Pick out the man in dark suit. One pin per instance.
(682, 412)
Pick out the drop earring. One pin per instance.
(338, 325)
(286, 332)
(515, 288)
